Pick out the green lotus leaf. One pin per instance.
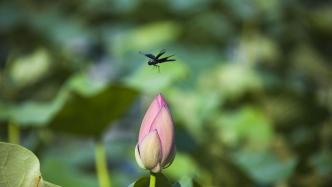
(19, 167)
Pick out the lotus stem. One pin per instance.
(101, 165)
(13, 133)
(152, 180)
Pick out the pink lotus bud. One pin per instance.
(155, 149)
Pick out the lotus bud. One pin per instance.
(155, 149)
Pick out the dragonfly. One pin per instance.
(154, 60)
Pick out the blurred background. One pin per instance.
(250, 92)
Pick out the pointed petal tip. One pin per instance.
(161, 100)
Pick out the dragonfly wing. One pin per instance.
(165, 58)
(149, 55)
(170, 60)
(161, 53)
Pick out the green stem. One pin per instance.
(152, 180)
(13, 133)
(101, 164)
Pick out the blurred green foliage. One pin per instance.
(250, 91)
